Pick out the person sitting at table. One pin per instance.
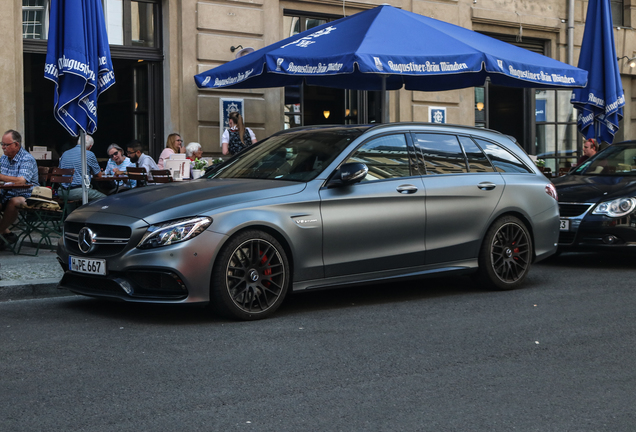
(72, 158)
(117, 163)
(174, 144)
(139, 158)
(194, 151)
(19, 167)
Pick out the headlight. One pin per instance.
(616, 208)
(173, 232)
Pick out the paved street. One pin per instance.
(434, 355)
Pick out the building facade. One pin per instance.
(159, 45)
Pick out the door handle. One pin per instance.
(486, 186)
(406, 189)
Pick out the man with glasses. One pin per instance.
(137, 156)
(19, 167)
(72, 158)
(117, 163)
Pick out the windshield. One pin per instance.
(614, 160)
(299, 156)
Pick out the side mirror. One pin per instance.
(353, 172)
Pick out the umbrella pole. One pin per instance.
(85, 180)
(385, 101)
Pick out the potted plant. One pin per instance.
(198, 167)
(540, 163)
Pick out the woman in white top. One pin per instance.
(237, 137)
(174, 144)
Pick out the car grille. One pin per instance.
(110, 239)
(573, 210)
(140, 285)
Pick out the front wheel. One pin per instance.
(505, 255)
(251, 277)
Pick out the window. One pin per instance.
(501, 158)
(35, 19)
(386, 157)
(314, 105)
(617, 12)
(442, 153)
(477, 160)
(128, 22)
(555, 134)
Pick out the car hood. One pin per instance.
(580, 188)
(160, 202)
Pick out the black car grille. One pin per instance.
(111, 239)
(573, 210)
(158, 285)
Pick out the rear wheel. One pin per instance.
(251, 277)
(506, 254)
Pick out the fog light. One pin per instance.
(610, 239)
(126, 286)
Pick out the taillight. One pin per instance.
(551, 190)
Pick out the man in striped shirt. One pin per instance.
(72, 158)
(19, 167)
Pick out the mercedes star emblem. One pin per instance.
(85, 239)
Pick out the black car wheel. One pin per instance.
(506, 254)
(251, 277)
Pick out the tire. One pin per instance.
(505, 255)
(250, 277)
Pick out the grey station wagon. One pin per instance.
(315, 208)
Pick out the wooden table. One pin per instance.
(15, 186)
(115, 178)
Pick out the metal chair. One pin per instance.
(161, 176)
(41, 225)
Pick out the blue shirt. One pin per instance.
(73, 159)
(22, 165)
(111, 166)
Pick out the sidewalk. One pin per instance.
(29, 277)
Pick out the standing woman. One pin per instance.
(237, 137)
(174, 144)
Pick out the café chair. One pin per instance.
(161, 176)
(43, 221)
(138, 174)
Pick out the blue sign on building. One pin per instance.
(539, 111)
(437, 114)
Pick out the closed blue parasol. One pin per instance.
(389, 48)
(600, 103)
(78, 61)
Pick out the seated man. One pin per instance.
(136, 155)
(117, 163)
(19, 167)
(72, 158)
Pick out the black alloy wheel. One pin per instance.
(506, 254)
(251, 277)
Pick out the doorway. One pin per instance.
(126, 111)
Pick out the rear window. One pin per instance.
(502, 159)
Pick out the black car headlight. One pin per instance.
(616, 208)
(173, 232)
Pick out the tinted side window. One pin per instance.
(503, 160)
(477, 160)
(386, 157)
(442, 153)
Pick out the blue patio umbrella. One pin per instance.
(386, 48)
(78, 62)
(600, 103)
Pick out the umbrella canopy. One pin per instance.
(600, 103)
(78, 62)
(389, 48)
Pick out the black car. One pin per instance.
(597, 201)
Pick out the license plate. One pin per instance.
(565, 225)
(84, 265)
